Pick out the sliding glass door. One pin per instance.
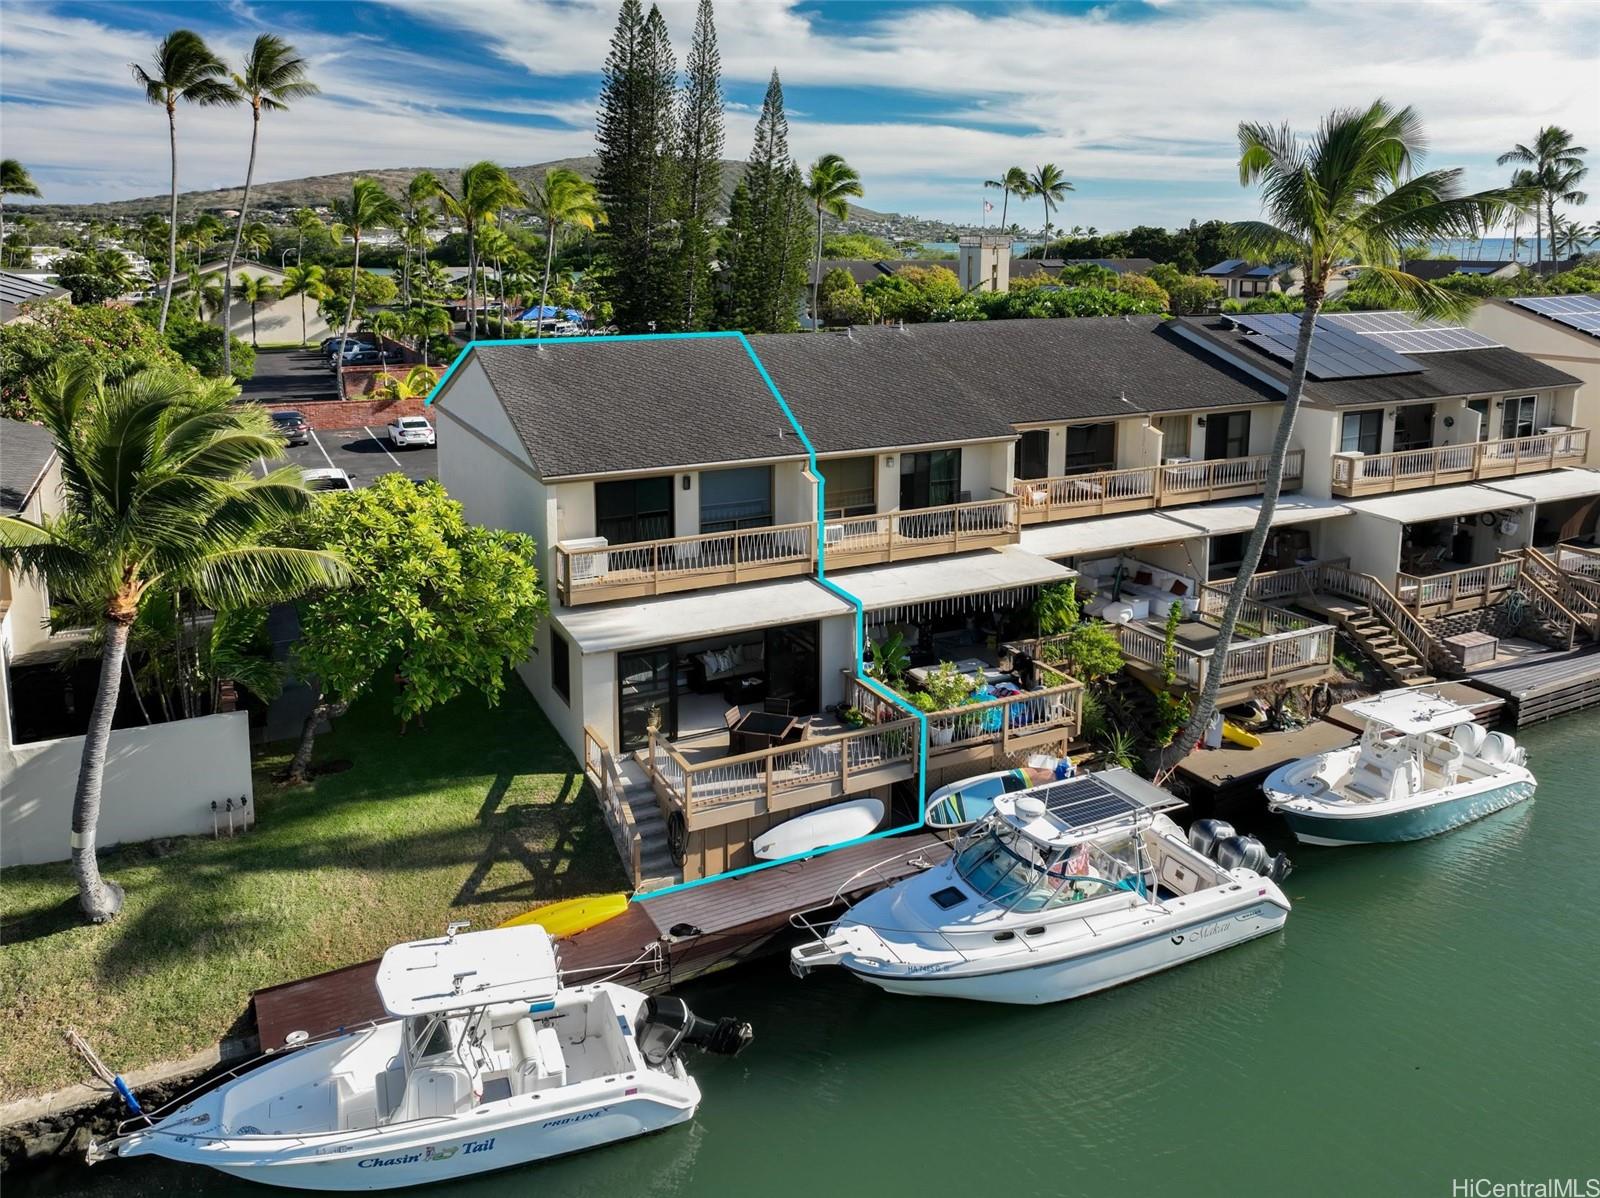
(1033, 454)
(738, 498)
(634, 509)
(1227, 435)
(645, 683)
(930, 479)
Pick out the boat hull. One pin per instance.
(1168, 944)
(1411, 823)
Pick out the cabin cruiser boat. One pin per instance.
(1422, 767)
(490, 1062)
(1061, 890)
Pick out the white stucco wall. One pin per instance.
(1316, 430)
(1372, 544)
(1557, 346)
(159, 781)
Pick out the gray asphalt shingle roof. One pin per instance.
(16, 290)
(25, 451)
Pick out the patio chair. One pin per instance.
(731, 717)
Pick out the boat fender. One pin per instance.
(1205, 833)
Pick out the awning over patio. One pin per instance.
(1557, 484)
(695, 615)
(1418, 507)
(1082, 538)
(988, 580)
(1239, 515)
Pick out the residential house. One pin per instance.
(277, 321)
(18, 289)
(1562, 331)
(1243, 280)
(1434, 269)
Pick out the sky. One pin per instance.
(1137, 101)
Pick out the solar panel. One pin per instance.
(1432, 341)
(1222, 268)
(1578, 312)
(1383, 322)
(1336, 352)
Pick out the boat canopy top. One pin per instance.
(473, 969)
(1411, 712)
(1064, 813)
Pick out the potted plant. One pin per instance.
(853, 717)
(940, 732)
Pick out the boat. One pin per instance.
(1421, 767)
(819, 829)
(571, 916)
(962, 804)
(1060, 891)
(490, 1060)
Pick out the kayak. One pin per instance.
(819, 829)
(571, 916)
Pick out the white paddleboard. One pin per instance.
(819, 829)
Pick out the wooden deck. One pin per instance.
(1233, 768)
(1551, 684)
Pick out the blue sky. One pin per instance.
(1136, 101)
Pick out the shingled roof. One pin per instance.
(25, 452)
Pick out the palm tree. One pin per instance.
(1013, 183)
(423, 187)
(14, 181)
(184, 69)
(367, 207)
(308, 282)
(1352, 194)
(1050, 185)
(423, 321)
(305, 222)
(1558, 168)
(484, 190)
(254, 290)
(272, 76)
(159, 496)
(830, 184)
(418, 382)
(152, 234)
(257, 239)
(386, 326)
(494, 245)
(563, 200)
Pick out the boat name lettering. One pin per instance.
(433, 1152)
(574, 1118)
(1210, 930)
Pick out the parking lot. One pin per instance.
(289, 375)
(362, 453)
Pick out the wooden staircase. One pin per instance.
(628, 802)
(1565, 597)
(1378, 640)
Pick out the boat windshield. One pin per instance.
(1013, 872)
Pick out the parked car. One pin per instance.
(293, 427)
(329, 478)
(411, 431)
(351, 346)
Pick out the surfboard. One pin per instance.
(571, 916)
(819, 829)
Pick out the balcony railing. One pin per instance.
(1141, 488)
(995, 727)
(1380, 473)
(605, 778)
(782, 550)
(1475, 586)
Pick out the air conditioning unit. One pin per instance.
(832, 534)
(587, 563)
(1176, 461)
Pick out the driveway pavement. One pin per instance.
(288, 376)
(363, 453)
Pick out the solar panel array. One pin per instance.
(1336, 352)
(1383, 322)
(1579, 312)
(1222, 268)
(1411, 335)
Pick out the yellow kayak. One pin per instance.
(1240, 736)
(572, 916)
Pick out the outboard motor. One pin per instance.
(1205, 833)
(1246, 852)
(665, 1024)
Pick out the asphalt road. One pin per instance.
(362, 453)
(289, 375)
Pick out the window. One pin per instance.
(1174, 436)
(1517, 416)
(732, 499)
(1091, 447)
(1413, 427)
(634, 509)
(1033, 454)
(930, 479)
(561, 665)
(1361, 432)
(852, 488)
(1227, 435)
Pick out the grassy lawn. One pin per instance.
(479, 817)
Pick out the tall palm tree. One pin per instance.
(272, 75)
(1351, 194)
(420, 191)
(563, 200)
(304, 222)
(484, 191)
(423, 321)
(367, 207)
(253, 290)
(14, 181)
(1013, 183)
(256, 239)
(308, 282)
(1558, 168)
(830, 184)
(184, 69)
(494, 245)
(159, 496)
(152, 234)
(1050, 185)
(387, 326)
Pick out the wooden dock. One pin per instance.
(1551, 684)
(673, 937)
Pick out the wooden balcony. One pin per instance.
(1381, 473)
(1141, 488)
(778, 551)
(1457, 590)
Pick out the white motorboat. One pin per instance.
(492, 1062)
(1422, 767)
(1062, 890)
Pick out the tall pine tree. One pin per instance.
(633, 135)
(699, 170)
(767, 238)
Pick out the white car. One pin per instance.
(411, 430)
(329, 479)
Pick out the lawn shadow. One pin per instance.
(40, 922)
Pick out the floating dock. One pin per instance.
(1549, 685)
(662, 941)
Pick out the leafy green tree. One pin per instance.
(1013, 183)
(160, 494)
(272, 75)
(1088, 648)
(843, 302)
(199, 343)
(184, 69)
(563, 200)
(14, 181)
(1143, 288)
(446, 605)
(95, 276)
(914, 293)
(309, 282)
(830, 185)
(699, 170)
(113, 342)
(1051, 186)
(856, 245)
(1352, 194)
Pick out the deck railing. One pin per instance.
(1580, 561)
(921, 532)
(1377, 473)
(1477, 586)
(1028, 716)
(816, 769)
(604, 777)
(1139, 488)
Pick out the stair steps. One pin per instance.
(1378, 641)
